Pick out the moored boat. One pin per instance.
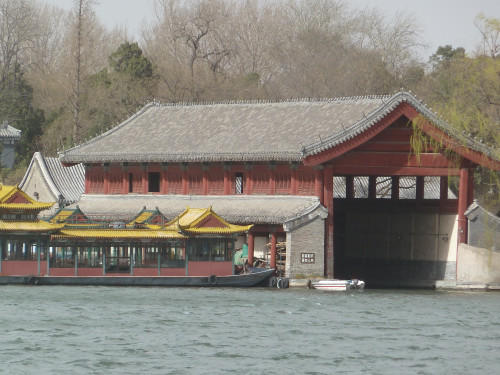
(254, 277)
(333, 285)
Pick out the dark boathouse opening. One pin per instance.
(394, 231)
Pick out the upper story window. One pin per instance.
(238, 183)
(154, 182)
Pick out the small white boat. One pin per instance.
(333, 285)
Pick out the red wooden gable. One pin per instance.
(211, 222)
(79, 217)
(158, 220)
(17, 198)
(385, 149)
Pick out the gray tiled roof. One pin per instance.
(253, 131)
(67, 184)
(224, 132)
(7, 131)
(238, 209)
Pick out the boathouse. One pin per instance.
(273, 164)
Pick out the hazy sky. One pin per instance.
(442, 21)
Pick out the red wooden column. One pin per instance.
(470, 189)
(272, 179)
(125, 182)
(227, 180)
(248, 179)
(105, 168)
(274, 241)
(463, 196)
(87, 179)
(185, 184)
(318, 183)
(250, 240)
(329, 224)
(294, 177)
(144, 184)
(164, 178)
(204, 179)
(124, 178)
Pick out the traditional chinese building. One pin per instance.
(198, 242)
(274, 164)
(8, 138)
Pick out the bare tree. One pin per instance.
(18, 33)
(190, 37)
(396, 40)
(490, 33)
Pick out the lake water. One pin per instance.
(101, 330)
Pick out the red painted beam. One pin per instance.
(393, 171)
(386, 146)
(392, 159)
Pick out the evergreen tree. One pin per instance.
(16, 107)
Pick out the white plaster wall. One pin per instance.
(36, 183)
(448, 248)
(478, 265)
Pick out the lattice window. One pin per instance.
(174, 183)
(306, 183)
(96, 182)
(260, 183)
(195, 183)
(283, 182)
(215, 183)
(115, 183)
(237, 185)
(136, 182)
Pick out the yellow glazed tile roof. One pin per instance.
(189, 220)
(118, 233)
(62, 215)
(6, 192)
(28, 226)
(234, 229)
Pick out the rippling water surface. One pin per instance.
(101, 330)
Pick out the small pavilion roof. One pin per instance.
(247, 131)
(204, 221)
(13, 198)
(9, 132)
(148, 217)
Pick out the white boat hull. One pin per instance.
(333, 285)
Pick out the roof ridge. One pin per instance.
(268, 101)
